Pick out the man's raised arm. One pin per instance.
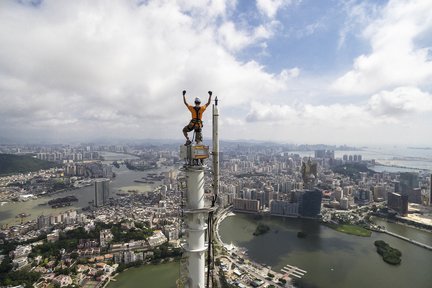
(209, 99)
(184, 98)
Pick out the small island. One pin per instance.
(389, 254)
(261, 229)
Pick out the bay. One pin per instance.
(123, 182)
(331, 259)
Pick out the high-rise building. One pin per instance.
(253, 194)
(398, 202)
(163, 192)
(344, 203)
(320, 153)
(414, 196)
(396, 185)
(246, 205)
(261, 199)
(338, 193)
(102, 191)
(43, 221)
(329, 154)
(408, 181)
(364, 196)
(310, 203)
(379, 192)
(309, 173)
(268, 195)
(284, 208)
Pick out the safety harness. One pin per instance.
(196, 120)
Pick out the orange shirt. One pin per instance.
(194, 112)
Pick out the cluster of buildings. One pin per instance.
(67, 156)
(94, 169)
(68, 217)
(254, 179)
(272, 181)
(408, 188)
(304, 202)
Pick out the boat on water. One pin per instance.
(83, 183)
(63, 201)
(146, 181)
(60, 205)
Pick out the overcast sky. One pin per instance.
(297, 71)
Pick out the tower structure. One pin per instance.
(215, 152)
(195, 215)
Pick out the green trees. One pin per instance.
(390, 255)
(261, 229)
(10, 164)
(15, 278)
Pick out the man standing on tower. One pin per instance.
(196, 123)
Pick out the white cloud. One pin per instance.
(307, 114)
(287, 74)
(235, 39)
(90, 69)
(384, 107)
(396, 58)
(358, 15)
(99, 67)
(269, 112)
(399, 101)
(271, 7)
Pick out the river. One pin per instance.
(148, 276)
(331, 259)
(123, 181)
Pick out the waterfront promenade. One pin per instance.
(405, 239)
(252, 268)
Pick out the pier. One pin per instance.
(290, 270)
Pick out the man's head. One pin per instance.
(197, 101)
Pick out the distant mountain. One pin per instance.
(10, 164)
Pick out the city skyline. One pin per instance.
(334, 72)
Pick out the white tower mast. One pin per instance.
(195, 218)
(215, 148)
(195, 215)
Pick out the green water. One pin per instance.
(151, 276)
(331, 259)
